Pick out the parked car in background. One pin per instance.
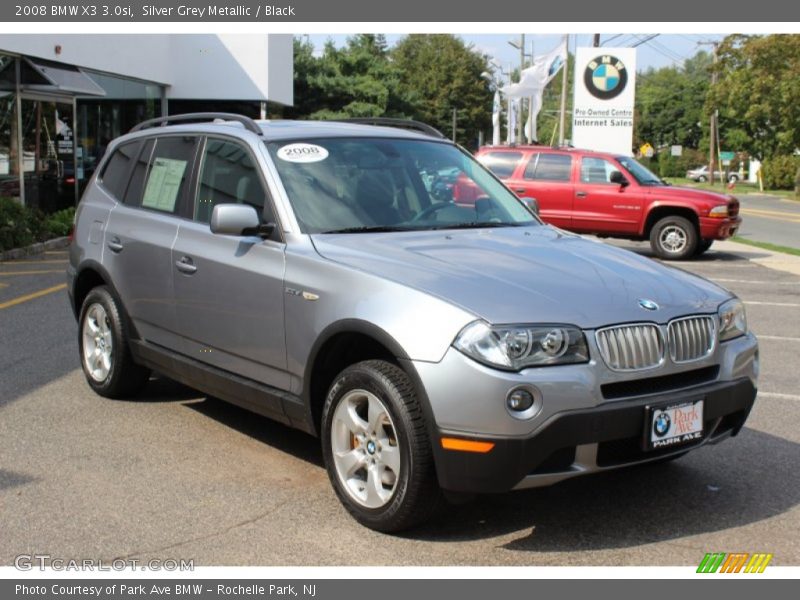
(323, 275)
(701, 175)
(612, 196)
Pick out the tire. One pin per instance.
(384, 491)
(674, 238)
(702, 246)
(733, 178)
(702, 179)
(103, 345)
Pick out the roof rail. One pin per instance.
(398, 123)
(247, 122)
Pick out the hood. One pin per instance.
(688, 193)
(526, 274)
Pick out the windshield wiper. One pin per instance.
(369, 229)
(476, 225)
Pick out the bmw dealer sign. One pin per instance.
(605, 81)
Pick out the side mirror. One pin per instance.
(617, 177)
(238, 219)
(532, 204)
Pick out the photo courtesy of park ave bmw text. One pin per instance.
(298, 299)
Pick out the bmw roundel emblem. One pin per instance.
(605, 77)
(647, 304)
(661, 424)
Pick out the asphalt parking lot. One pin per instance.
(174, 474)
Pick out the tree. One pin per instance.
(758, 93)
(670, 104)
(439, 73)
(357, 80)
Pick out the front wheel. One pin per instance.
(674, 238)
(377, 449)
(103, 344)
(702, 179)
(702, 246)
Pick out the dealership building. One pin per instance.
(64, 97)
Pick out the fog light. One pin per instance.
(519, 400)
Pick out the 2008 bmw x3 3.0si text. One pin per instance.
(323, 274)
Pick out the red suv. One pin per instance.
(612, 196)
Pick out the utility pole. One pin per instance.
(531, 117)
(713, 126)
(520, 125)
(563, 116)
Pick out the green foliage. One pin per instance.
(758, 93)
(21, 226)
(441, 73)
(669, 104)
(667, 165)
(59, 223)
(781, 172)
(424, 77)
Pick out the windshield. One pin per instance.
(350, 185)
(641, 173)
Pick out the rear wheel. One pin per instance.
(674, 238)
(377, 449)
(702, 179)
(103, 344)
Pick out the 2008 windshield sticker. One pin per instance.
(302, 153)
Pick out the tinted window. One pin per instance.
(168, 174)
(501, 164)
(115, 173)
(596, 170)
(549, 167)
(133, 195)
(229, 176)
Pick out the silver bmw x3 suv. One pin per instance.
(377, 287)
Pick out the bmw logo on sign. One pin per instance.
(647, 304)
(605, 77)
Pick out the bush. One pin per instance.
(676, 166)
(21, 226)
(780, 172)
(59, 223)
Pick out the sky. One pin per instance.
(660, 51)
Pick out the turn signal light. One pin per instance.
(467, 445)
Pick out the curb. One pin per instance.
(33, 249)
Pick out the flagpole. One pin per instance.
(563, 116)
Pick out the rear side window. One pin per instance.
(116, 171)
(549, 167)
(229, 176)
(168, 174)
(133, 195)
(501, 164)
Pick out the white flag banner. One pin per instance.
(533, 113)
(540, 73)
(513, 111)
(496, 110)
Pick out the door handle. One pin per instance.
(114, 245)
(186, 265)
(581, 194)
(520, 190)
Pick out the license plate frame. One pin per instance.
(681, 425)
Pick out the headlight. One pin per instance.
(732, 320)
(516, 347)
(720, 211)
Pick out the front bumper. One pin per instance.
(719, 229)
(588, 417)
(585, 441)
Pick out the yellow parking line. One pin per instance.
(772, 214)
(2, 285)
(34, 262)
(56, 251)
(30, 272)
(32, 296)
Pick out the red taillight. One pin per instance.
(70, 180)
